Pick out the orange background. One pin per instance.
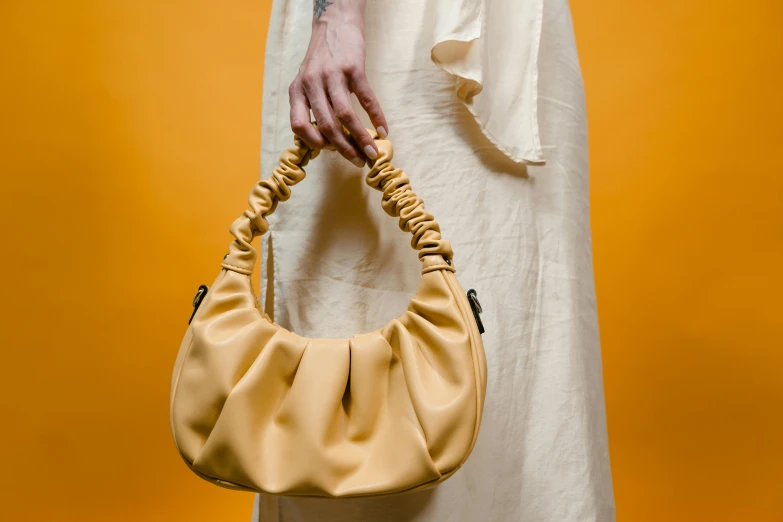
(130, 136)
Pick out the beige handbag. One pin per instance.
(256, 407)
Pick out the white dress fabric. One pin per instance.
(485, 106)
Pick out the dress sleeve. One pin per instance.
(491, 47)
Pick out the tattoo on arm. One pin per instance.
(319, 6)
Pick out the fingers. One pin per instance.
(327, 122)
(328, 94)
(364, 93)
(341, 104)
(300, 118)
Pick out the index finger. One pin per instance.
(369, 102)
(341, 103)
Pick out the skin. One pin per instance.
(333, 69)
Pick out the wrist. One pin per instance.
(350, 12)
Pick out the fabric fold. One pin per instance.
(496, 75)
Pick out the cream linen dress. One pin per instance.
(485, 105)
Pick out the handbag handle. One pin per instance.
(398, 201)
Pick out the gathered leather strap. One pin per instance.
(398, 201)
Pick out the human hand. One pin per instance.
(332, 69)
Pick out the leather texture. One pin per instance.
(259, 408)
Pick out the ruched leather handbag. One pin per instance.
(257, 407)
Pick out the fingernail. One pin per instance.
(359, 162)
(382, 132)
(370, 152)
(330, 147)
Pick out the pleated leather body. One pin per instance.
(257, 407)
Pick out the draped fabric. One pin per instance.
(491, 47)
(485, 106)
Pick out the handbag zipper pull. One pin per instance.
(200, 294)
(476, 307)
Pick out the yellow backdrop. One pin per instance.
(130, 137)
